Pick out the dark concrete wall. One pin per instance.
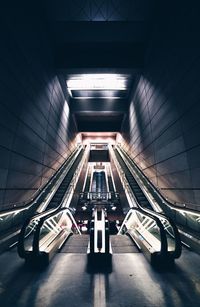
(163, 126)
(36, 130)
(99, 156)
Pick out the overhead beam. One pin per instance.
(98, 105)
(84, 126)
(98, 122)
(100, 55)
(98, 31)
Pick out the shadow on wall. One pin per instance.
(37, 131)
(157, 141)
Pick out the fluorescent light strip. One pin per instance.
(97, 82)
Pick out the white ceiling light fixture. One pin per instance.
(106, 85)
(97, 82)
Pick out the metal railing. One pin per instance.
(168, 225)
(149, 234)
(108, 196)
(43, 235)
(31, 223)
(99, 234)
(13, 217)
(180, 213)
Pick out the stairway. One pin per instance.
(76, 244)
(122, 244)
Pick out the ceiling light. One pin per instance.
(97, 82)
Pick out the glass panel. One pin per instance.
(52, 227)
(144, 228)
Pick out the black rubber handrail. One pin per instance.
(158, 194)
(40, 191)
(163, 237)
(36, 249)
(21, 249)
(178, 245)
(60, 193)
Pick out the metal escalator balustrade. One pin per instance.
(94, 181)
(12, 219)
(99, 182)
(58, 196)
(145, 204)
(141, 198)
(28, 230)
(170, 229)
(51, 231)
(86, 186)
(44, 205)
(149, 234)
(99, 189)
(110, 180)
(99, 244)
(187, 219)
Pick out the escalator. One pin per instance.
(42, 236)
(88, 180)
(93, 185)
(58, 196)
(152, 233)
(185, 216)
(13, 219)
(45, 232)
(123, 244)
(75, 244)
(48, 233)
(140, 196)
(145, 226)
(110, 181)
(99, 183)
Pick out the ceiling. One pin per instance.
(99, 10)
(101, 37)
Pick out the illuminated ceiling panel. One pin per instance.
(97, 82)
(98, 86)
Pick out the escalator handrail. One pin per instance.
(156, 190)
(77, 158)
(163, 237)
(40, 190)
(36, 250)
(178, 245)
(41, 217)
(21, 248)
